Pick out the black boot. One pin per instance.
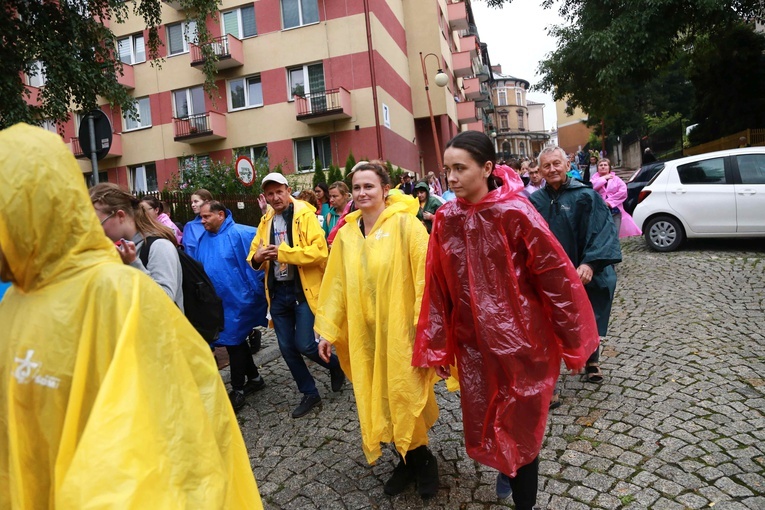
(401, 478)
(425, 469)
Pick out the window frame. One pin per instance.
(189, 101)
(500, 94)
(302, 22)
(726, 177)
(239, 20)
(39, 74)
(132, 38)
(247, 105)
(187, 37)
(521, 123)
(125, 127)
(313, 140)
(761, 173)
(131, 171)
(306, 79)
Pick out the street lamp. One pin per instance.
(441, 80)
(494, 137)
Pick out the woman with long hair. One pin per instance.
(614, 191)
(194, 229)
(126, 223)
(368, 306)
(322, 195)
(339, 197)
(503, 304)
(155, 208)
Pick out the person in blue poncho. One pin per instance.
(194, 229)
(3, 287)
(222, 250)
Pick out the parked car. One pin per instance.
(638, 181)
(719, 194)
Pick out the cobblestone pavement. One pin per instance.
(678, 422)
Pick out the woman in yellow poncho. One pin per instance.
(368, 309)
(110, 398)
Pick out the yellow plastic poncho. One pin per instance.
(369, 304)
(108, 396)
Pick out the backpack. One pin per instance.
(202, 306)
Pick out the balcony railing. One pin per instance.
(457, 14)
(127, 78)
(466, 112)
(227, 48)
(462, 64)
(200, 127)
(324, 106)
(115, 151)
(175, 4)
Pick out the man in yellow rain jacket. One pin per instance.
(291, 248)
(109, 397)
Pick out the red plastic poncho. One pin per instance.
(503, 299)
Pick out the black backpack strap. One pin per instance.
(144, 254)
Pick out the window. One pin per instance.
(502, 97)
(518, 98)
(49, 125)
(180, 35)
(752, 168)
(520, 120)
(36, 76)
(143, 115)
(256, 153)
(299, 12)
(522, 147)
(245, 93)
(189, 102)
(143, 178)
(709, 171)
(131, 49)
(310, 149)
(194, 163)
(306, 79)
(240, 22)
(503, 121)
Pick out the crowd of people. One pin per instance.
(490, 279)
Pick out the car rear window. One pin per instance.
(752, 168)
(647, 173)
(708, 171)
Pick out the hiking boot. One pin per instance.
(308, 403)
(503, 486)
(400, 479)
(237, 399)
(337, 377)
(425, 468)
(254, 385)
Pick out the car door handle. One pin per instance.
(747, 192)
(679, 191)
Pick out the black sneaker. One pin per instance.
(337, 378)
(308, 403)
(254, 385)
(237, 399)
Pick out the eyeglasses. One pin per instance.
(104, 220)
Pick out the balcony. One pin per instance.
(201, 127)
(115, 151)
(34, 98)
(324, 106)
(227, 48)
(457, 14)
(466, 112)
(462, 64)
(469, 43)
(483, 73)
(475, 126)
(127, 78)
(175, 4)
(474, 89)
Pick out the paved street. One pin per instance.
(678, 422)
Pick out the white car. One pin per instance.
(718, 194)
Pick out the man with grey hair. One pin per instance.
(582, 222)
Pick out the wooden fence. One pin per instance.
(244, 208)
(753, 136)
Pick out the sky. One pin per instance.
(517, 40)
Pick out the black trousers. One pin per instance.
(525, 486)
(242, 365)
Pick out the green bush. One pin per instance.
(318, 173)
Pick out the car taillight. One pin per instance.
(643, 195)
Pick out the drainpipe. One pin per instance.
(374, 81)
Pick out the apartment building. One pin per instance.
(573, 132)
(518, 124)
(298, 81)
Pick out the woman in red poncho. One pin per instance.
(504, 304)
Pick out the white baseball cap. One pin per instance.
(275, 177)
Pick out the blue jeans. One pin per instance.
(293, 323)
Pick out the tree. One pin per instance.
(334, 174)
(78, 53)
(349, 164)
(318, 173)
(609, 52)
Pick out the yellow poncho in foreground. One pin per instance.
(108, 396)
(368, 309)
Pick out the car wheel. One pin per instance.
(664, 233)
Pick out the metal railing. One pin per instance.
(220, 46)
(192, 125)
(319, 102)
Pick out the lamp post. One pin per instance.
(441, 80)
(494, 138)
